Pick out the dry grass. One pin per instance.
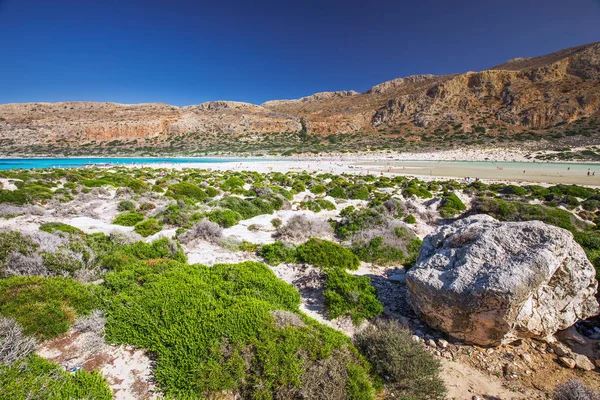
(574, 390)
(300, 228)
(203, 230)
(14, 345)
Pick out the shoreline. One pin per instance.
(457, 155)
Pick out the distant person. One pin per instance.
(588, 172)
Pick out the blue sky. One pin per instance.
(186, 52)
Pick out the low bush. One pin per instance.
(375, 251)
(225, 218)
(318, 189)
(337, 192)
(45, 307)
(36, 378)
(407, 370)
(300, 228)
(351, 295)
(276, 223)
(574, 390)
(451, 205)
(416, 191)
(126, 205)
(327, 255)
(203, 230)
(410, 219)
(186, 189)
(359, 193)
(148, 227)
(213, 331)
(128, 218)
(14, 344)
(277, 253)
(51, 227)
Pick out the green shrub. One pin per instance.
(376, 252)
(325, 204)
(45, 307)
(60, 227)
(36, 378)
(96, 183)
(232, 183)
(15, 241)
(416, 191)
(359, 193)
(276, 222)
(126, 205)
(407, 370)
(17, 197)
(220, 329)
(128, 218)
(186, 189)
(211, 192)
(277, 253)
(148, 227)
(325, 254)
(118, 257)
(337, 192)
(451, 205)
(346, 294)
(354, 220)
(225, 218)
(410, 219)
(318, 189)
(298, 186)
(249, 209)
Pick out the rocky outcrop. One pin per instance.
(488, 282)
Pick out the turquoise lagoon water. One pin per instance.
(27, 163)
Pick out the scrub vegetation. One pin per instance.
(236, 328)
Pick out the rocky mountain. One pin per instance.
(528, 99)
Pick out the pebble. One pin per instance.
(431, 343)
(443, 343)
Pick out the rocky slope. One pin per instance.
(552, 96)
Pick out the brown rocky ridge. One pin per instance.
(545, 101)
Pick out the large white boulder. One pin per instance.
(488, 282)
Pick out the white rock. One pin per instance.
(582, 362)
(489, 282)
(568, 362)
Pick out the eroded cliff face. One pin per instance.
(521, 94)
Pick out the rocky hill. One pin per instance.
(543, 102)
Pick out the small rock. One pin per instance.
(568, 362)
(584, 363)
(526, 357)
(476, 398)
(431, 343)
(560, 349)
(416, 339)
(443, 343)
(419, 333)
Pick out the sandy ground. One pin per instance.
(126, 369)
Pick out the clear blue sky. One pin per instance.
(186, 52)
